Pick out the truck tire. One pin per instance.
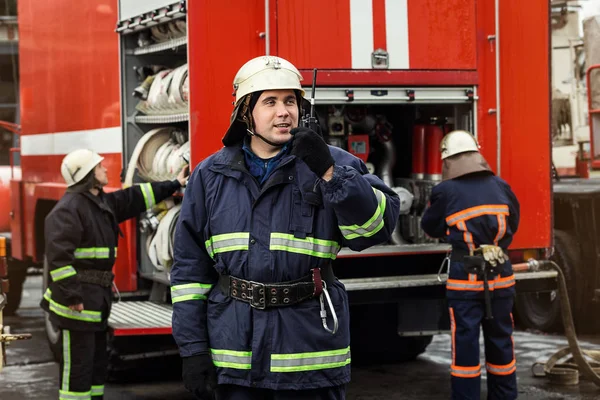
(374, 336)
(17, 273)
(541, 310)
(53, 334)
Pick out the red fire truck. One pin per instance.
(148, 82)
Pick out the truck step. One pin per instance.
(132, 318)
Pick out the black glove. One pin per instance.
(310, 147)
(199, 376)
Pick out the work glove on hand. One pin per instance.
(310, 147)
(493, 254)
(199, 376)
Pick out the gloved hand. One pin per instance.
(199, 376)
(310, 147)
(493, 254)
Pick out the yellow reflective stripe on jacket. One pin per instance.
(148, 195)
(98, 390)
(227, 242)
(65, 395)
(313, 361)
(190, 291)
(231, 359)
(310, 246)
(66, 312)
(372, 226)
(93, 252)
(62, 273)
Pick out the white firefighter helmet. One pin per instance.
(457, 142)
(77, 164)
(266, 73)
(257, 75)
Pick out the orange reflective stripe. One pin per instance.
(467, 237)
(503, 283)
(477, 286)
(493, 209)
(501, 228)
(465, 372)
(472, 277)
(502, 369)
(453, 334)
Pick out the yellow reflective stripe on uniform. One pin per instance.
(231, 359)
(92, 252)
(296, 362)
(148, 194)
(190, 291)
(66, 372)
(65, 395)
(66, 312)
(372, 226)
(227, 242)
(97, 390)
(310, 246)
(62, 273)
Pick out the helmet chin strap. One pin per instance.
(264, 139)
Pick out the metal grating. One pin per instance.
(162, 119)
(139, 315)
(158, 47)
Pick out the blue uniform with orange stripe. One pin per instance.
(470, 211)
(230, 224)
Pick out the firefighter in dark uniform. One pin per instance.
(478, 214)
(256, 306)
(81, 245)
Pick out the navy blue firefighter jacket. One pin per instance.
(277, 232)
(469, 211)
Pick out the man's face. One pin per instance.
(100, 174)
(275, 115)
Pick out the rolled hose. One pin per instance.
(565, 374)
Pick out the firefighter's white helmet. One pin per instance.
(266, 73)
(457, 142)
(77, 164)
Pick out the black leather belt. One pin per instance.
(102, 278)
(280, 294)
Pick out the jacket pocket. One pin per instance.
(302, 215)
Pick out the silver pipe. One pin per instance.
(267, 36)
(498, 127)
(387, 164)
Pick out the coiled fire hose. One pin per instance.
(566, 373)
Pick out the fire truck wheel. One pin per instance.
(374, 336)
(52, 332)
(541, 310)
(17, 272)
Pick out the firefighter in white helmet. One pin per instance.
(81, 234)
(257, 310)
(478, 214)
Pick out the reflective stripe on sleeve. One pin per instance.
(372, 226)
(189, 291)
(62, 273)
(148, 195)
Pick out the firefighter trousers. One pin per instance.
(467, 317)
(83, 365)
(235, 392)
